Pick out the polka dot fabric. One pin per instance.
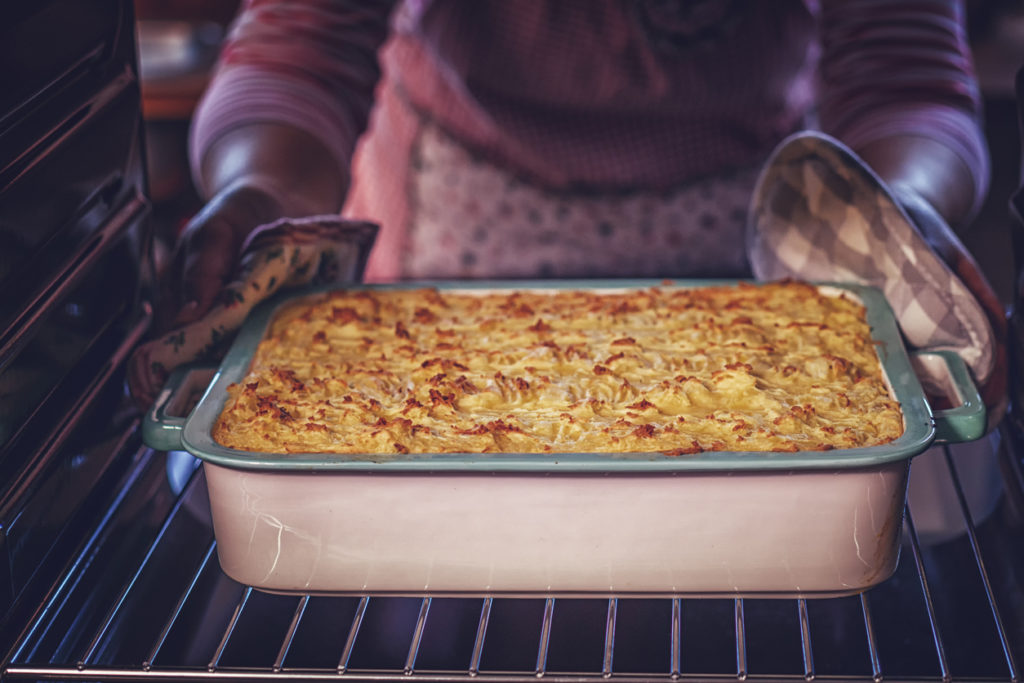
(472, 219)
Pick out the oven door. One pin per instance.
(72, 270)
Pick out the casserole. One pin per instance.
(811, 523)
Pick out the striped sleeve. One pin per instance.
(892, 68)
(308, 63)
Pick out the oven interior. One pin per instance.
(109, 565)
(143, 596)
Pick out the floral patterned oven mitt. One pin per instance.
(284, 254)
(819, 213)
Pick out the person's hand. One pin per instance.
(945, 242)
(254, 174)
(207, 253)
(936, 189)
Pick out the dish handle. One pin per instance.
(164, 422)
(944, 373)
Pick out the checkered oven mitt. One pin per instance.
(284, 254)
(819, 213)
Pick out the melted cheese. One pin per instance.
(776, 367)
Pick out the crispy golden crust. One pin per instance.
(775, 367)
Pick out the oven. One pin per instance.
(110, 569)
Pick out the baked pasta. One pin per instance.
(773, 367)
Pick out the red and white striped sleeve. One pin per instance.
(891, 68)
(308, 63)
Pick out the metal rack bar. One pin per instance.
(805, 638)
(353, 633)
(972, 536)
(741, 640)
(676, 639)
(545, 637)
(222, 645)
(147, 664)
(289, 637)
(417, 636)
(933, 623)
(872, 641)
(116, 674)
(481, 635)
(609, 638)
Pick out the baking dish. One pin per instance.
(809, 523)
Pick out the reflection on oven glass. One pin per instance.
(61, 340)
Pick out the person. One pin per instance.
(568, 138)
(561, 138)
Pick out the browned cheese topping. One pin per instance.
(775, 367)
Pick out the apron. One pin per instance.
(449, 213)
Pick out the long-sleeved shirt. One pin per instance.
(608, 95)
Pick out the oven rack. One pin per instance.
(145, 600)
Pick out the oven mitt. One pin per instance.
(819, 213)
(285, 254)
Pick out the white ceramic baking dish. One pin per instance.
(716, 523)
